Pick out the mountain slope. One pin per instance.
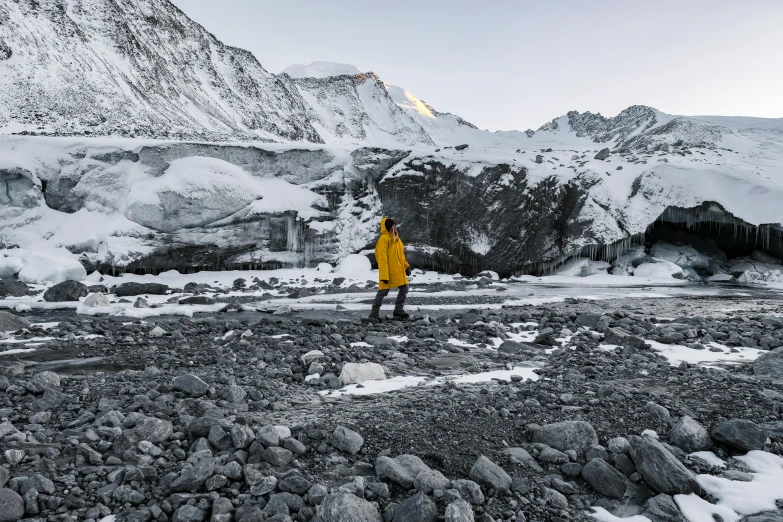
(356, 109)
(128, 68)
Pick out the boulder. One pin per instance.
(459, 511)
(346, 440)
(12, 288)
(690, 436)
(65, 291)
(602, 154)
(486, 472)
(418, 508)
(604, 479)
(620, 337)
(190, 384)
(566, 435)
(770, 365)
(193, 478)
(126, 289)
(43, 380)
(197, 300)
(739, 434)
(354, 373)
(11, 505)
(345, 507)
(11, 323)
(660, 469)
(662, 508)
(96, 299)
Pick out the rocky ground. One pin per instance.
(236, 415)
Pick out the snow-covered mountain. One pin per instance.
(348, 148)
(130, 68)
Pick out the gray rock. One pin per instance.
(554, 498)
(391, 469)
(620, 337)
(39, 483)
(11, 505)
(552, 456)
(430, 480)
(576, 435)
(656, 410)
(127, 289)
(193, 478)
(268, 436)
(690, 436)
(469, 491)
(296, 484)
(770, 365)
(11, 323)
(218, 437)
(4, 475)
(12, 288)
(618, 445)
(660, 469)
(418, 508)
(602, 154)
(188, 513)
(197, 300)
(263, 485)
(661, 508)
(43, 380)
(486, 472)
(190, 384)
(740, 434)
(66, 291)
(278, 456)
(522, 456)
(459, 511)
(346, 440)
(241, 436)
(344, 507)
(604, 479)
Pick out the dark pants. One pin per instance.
(398, 305)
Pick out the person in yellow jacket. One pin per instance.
(393, 270)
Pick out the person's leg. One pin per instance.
(376, 305)
(400, 303)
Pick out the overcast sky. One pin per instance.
(516, 64)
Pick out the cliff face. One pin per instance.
(127, 68)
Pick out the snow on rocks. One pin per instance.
(354, 264)
(96, 299)
(49, 267)
(658, 268)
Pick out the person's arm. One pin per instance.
(382, 257)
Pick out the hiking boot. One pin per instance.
(374, 317)
(401, 315)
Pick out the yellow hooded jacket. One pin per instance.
(390, 256)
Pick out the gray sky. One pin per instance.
(516, 64)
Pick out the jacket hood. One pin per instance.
(383, 226)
